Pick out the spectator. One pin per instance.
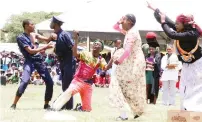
(5, 62)
(37, 80)
(171, 66)
(14, 78)
(49, 60)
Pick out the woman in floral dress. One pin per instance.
(130, 70)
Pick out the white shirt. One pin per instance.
(113, 51)
(170, 74)
(6, 60)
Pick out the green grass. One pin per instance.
(29, 108)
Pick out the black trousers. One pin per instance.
(67, 72)
(43, 72)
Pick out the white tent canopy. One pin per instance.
(96, 19)
(101, 15)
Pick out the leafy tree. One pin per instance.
(1, 35)
(14, 23)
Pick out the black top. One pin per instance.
(64, 46)
(23, 41)
(187, 39)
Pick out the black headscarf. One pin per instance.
(132, 18)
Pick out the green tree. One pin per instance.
(1, 36)
(14, 23)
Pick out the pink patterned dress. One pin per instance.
(130, 73)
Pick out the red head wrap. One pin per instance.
(150, 35)
(151, 39)
(188, 19)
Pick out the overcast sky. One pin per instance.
(9, 7)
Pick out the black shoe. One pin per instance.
(51, 109)
(13, 107)
(78, 107)
(121, 119)
(47, 106)
(136, 116)
(65, 107)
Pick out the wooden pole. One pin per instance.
(88, 42)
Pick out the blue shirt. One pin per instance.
(23, 41)
(64, 46)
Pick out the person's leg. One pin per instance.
(150, 95)
(108, 79)
(182, 88)
(100, 82)
(117, 99)
(45, 75)
(27, 70)
(172, 92)
(97, 80)
(156, 90)
(74, 88)
(86, 95)
(67, 77)
(147, 92)
(124, 111)
(136, 101)
(165, 92)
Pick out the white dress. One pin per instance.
(191, 86)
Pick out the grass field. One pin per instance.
(29, 108)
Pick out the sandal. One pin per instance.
(121, 119)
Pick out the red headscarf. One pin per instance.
(188, 19)
(151, 39)
(150, 35)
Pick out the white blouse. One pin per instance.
(170, 74)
